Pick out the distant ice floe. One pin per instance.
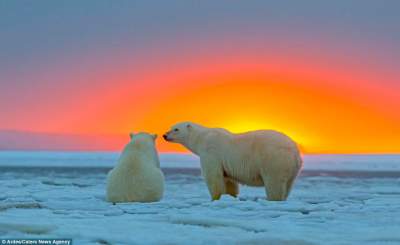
(170, 160)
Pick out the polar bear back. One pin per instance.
(246, 157)
(137, 176)
(147, 185)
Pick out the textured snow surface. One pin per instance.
(322, 209)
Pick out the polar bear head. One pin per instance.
(143, 138)
(145, 145)
(180, 132)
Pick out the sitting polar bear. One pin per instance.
(137, 176)
(258, 158)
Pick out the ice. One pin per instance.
(68, 201)
(85, 159)
(173, 160)
(352, 162)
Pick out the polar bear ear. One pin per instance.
(154, 136)
(131, 135)
(188, 126)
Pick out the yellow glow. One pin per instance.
(245, 124)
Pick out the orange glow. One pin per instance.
(333, 86)
(320, 121)
(322, 115)
(324, 110)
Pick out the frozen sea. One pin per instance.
(338, 199)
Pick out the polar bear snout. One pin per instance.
(168, 136)
(172, 136)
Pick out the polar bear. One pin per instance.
(257, 158)
(137, 177)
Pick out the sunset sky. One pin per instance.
(86, 73)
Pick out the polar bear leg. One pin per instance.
(231, 187)
(289, 185)
(279, 174)
(213, 176)
(276, 188)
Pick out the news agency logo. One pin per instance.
(17, 241)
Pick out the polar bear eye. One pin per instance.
(176, 130)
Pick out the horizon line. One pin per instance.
(185, 153)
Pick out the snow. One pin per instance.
(43, 202)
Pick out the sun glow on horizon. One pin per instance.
(324, 108)
(316, 117)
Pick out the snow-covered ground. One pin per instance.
(61, 195)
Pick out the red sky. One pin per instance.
(330, 82)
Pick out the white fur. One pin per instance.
(137, 176)
(258, 158)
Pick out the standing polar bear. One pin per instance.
(137, 176)
(258, 158)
